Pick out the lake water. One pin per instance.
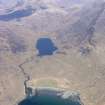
(48, 100)
(17, 14)
(45, 46)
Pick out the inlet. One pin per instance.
(52, 97)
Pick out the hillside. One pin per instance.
(75, 27)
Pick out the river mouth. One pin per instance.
(51, 97)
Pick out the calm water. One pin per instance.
(17, 14)
(45, 46)
(47, 100)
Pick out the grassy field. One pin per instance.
(46, 83)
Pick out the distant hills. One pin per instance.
(74, 22)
